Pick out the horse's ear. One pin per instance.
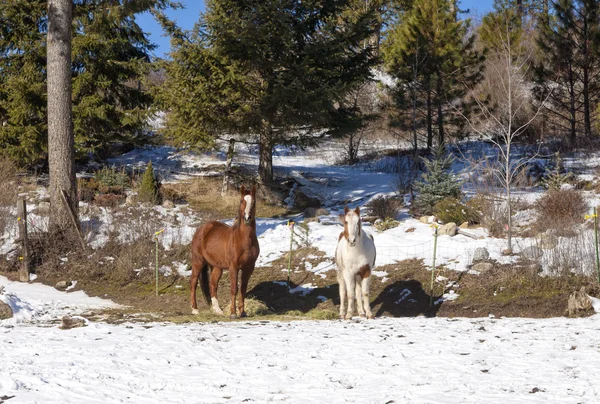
(243, 190)
(357, 211)
(253, 192)
(346, 210)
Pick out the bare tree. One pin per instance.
(501, 124)
(61, 149)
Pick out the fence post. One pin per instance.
(156, 260)
(24, 257)
(435, 237)
(291, 225)
(596, 237)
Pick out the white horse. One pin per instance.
(355, 258)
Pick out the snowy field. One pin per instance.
(387, 360)
(401, 360)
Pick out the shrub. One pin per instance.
(557, 176)
(109, 180)
(560, 209)
(437, 183)
(383, 207)
(452, 210)
(492, 213)
(386, 224)
(149, 187)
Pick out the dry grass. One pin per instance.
(561, 211)
(204, 194)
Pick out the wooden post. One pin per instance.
(63, 195)
(24, 257)
(227, 174)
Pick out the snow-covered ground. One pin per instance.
(401, 360)
(386, 360)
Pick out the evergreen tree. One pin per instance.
(569, 42)
(272, 71)
(110, 59)
(437, 182)
(149, 187)
(430, 49)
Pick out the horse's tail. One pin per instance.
(204, 282)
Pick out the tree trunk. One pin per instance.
(440, 117)
(572, 109)
(429, 119)
(265, 151)
(227, 174)
(586, 79)
(61, 148)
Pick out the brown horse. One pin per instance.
(218, 246)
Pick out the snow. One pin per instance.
(39, 303)
(416, 360)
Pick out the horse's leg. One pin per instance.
(358, 290)
(365, 296)
(215, 276)
(342, 284)
(245, 278)
(197, 264)
(233, 275)
(351, 292)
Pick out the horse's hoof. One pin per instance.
(370, 316)
(233, 316)
(243, 315)
(348, 317)
(195, 312)
(362, 315)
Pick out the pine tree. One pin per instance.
(149, 187)
(110, 59)
(272, 71)
(569, 70)
(437, 182)
(431, 39)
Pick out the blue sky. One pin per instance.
(188, 16)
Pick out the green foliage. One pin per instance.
(278, 70)
(149, 188)
(386, 224)
(453, 210)
(557, 176)
(436, 183)
(505, 19)
(431, 54)
(110, 177)
(111, 57)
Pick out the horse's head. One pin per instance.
(248, 204)
(351, 220)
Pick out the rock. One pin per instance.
(481, 254)
(62, 285)
(5, 311)
(167, 204)
(482, 267)
(70, 322)
(409, 230)
(448, 229)
(507, 251)
(427, 219)
(579, 301)
(314, 212)
(130, 200)
(547, 241)
(464, 225)
(43, 208)
(303, 201)
(311, 220)
(532, 253)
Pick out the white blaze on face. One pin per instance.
(248, 199)
(352, 220)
